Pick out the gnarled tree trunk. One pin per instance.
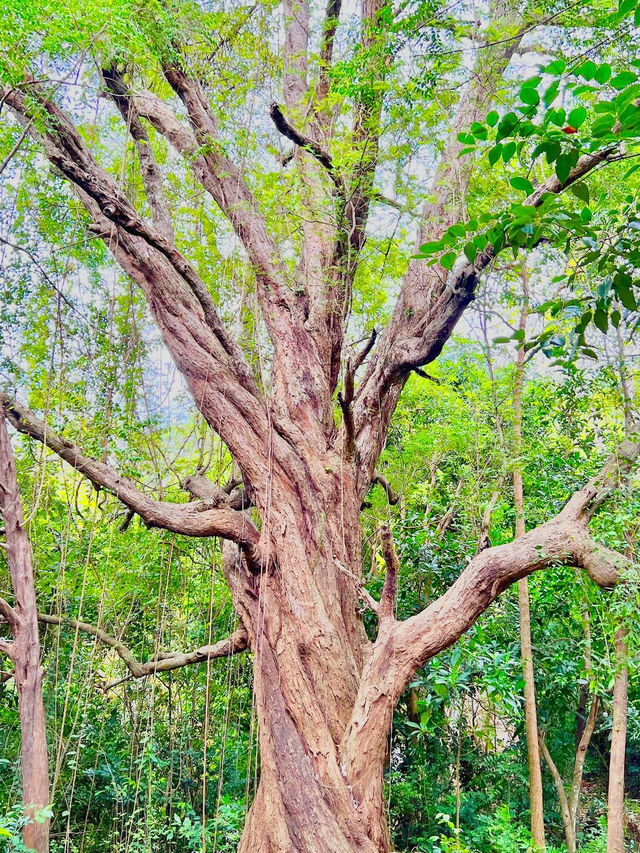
(325, 693)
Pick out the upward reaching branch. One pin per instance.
(151, 174)
(564, 540)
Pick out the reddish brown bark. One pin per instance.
(325, 694)
(24, 651)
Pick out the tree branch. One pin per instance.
(558, 783)
(9, 614)
(564, 540)
(322, 156)
(219, 378)
(387, 603)
(151, 174)
(195, 519)
(392, 497)
(423, 320)
(232, 645)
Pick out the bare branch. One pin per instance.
(564, 540)
(195, 519)
(322, 156)
(386, 607)
(557, 781)
(359, 360)
(232, 645)
(9, 614)
(201, 487)
(483, 538)
(329, 29)
(345, 400)
(151, 174)
(392, 497)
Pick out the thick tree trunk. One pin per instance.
(309, 650)
(615, 804)
(24, 652)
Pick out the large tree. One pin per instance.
(306, 435)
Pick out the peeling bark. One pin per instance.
(324, 693)
(24, 652)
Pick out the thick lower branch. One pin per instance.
(194, 519)
(401, 648)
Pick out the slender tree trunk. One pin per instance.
(24, 651)
(536, 802)
(569, 805)
(615, 804)
(531, 719)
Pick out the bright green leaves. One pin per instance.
(577, 116)
(506, 126)
(565, 163)
(622, 80)
(521, 184)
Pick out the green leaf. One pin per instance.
(508, 151)
(564, 164)
(519, 183)
(471, 251)
(577, 116)
(581, 191)
(588, 70)
(551, 93)
(601, 320)
(623, 79)
(603, 125)
(448, 260)
(557, 116)
(518, 335)
(492, 118)
(494, 154)
(431, 248)
(506, 126)
(479, 130)
(529, 96)
(553, 151)
(626, 296)
(603, 73)
(558, 66)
